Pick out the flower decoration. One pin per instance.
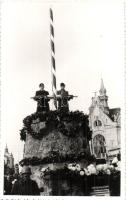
(115, 160)
(56, 157)
(99, 167)
(118, 166)
(105, 167)
(91, 168)
(108, 172)
(67, 123)
(82, 173)
(73, 168)
(111, 167)
(69, 166)
(87, 172)
(43, 169)
(77, 172)
(78, 167)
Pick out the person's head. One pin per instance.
(9, 177)
(41, 86)
(25, 173)
(62, 85)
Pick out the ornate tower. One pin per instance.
(6, 149)
(103, 98)
(8, 158)
(11, 161)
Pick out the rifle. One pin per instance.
(65, 97)
(36, 98)
(72, 96)
(42, 97)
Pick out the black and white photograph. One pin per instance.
(62, 88)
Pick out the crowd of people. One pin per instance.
(21, 184)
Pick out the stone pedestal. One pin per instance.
(53, 140)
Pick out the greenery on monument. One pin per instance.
(68, 123)
(55, 157)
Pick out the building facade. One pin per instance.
(105, 125)
(8, 158)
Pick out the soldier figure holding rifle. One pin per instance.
(63, 97)
(42, 99)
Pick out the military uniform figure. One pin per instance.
(63, 98)
(42, 99)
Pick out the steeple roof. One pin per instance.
(6, 149)
(11, 155)
(102, 90)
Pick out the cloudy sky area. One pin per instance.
(88, 43)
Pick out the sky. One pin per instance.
(88, 44)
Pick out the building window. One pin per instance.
(99, 146)
(97, 123)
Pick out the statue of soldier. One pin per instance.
(63, 97)
(42, 99)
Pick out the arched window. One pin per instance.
(99, 146)
(97, 123)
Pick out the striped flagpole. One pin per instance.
(53, 65)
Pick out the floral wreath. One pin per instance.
(58, 120)
(55, 157)
(75, 170)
